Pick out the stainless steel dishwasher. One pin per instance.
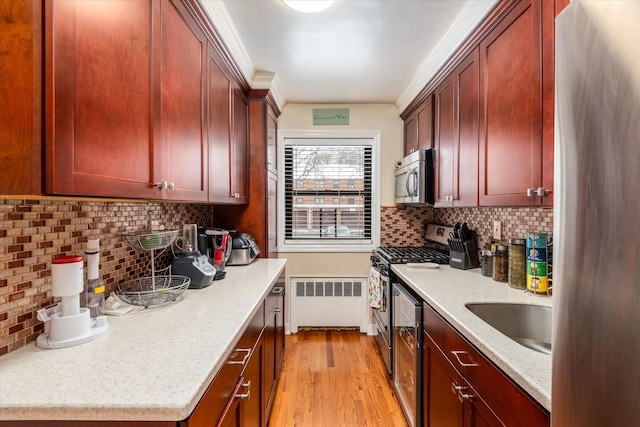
(407, 355)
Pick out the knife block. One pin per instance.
(463, 254)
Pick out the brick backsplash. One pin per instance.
(33, 231)
(404, 226)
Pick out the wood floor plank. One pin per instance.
(334, 379)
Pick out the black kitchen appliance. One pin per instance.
(436, 251)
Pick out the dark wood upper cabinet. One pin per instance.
(456, 136)
(513, 153)
(125, 105)
(20, 97)
(100, 120)
(418, 128)
(183, 83)
(219, 114)
(240, 147)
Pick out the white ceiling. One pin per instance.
(357, 51)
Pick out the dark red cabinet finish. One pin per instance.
(455, 370)
(418, 128)
(516, 144)
(456, 136)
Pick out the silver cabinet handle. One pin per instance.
(277, 310)
(247, 395)
(457, 355)
(455, 388)
(531, 192)
(462, 396)
(244, 359)
(165, 185)
(541, 191)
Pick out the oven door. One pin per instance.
(407, 368)
(382, 317)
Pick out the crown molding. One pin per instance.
(227, 31)
(470, 16)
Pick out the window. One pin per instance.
(338, 208)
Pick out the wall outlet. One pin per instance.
(497, 230)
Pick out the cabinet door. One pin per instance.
(424, 117)
(240, 148)
(99, 138)
(441, 407)
(20, 97)
(252, 395)
(219, 113)
(465, 177)
(410, 134)
(272, 214)
(511, 114)
(272, 142)
(182, 104)
(445, 129)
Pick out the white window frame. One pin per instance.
(331, 137)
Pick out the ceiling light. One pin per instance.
(308, 6)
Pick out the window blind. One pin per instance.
(328, 192)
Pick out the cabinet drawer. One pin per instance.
(221, 389)
(506, 398)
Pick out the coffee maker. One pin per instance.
(191, 262)
(215, 243)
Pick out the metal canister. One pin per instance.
(501, 264)
(537, 262)
(517, 264)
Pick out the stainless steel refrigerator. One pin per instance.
(596, 325)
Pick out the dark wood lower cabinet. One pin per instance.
(469, 390)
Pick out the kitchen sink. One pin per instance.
(526, 324)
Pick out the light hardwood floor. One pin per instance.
(334, 379)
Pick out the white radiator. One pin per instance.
(329, 302)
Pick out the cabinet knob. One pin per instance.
(171, 186)
(531, 192)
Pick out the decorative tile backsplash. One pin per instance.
(32, 232)
(404, 226)
(516, 222)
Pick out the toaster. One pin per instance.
(244, 248)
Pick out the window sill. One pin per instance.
(352, 248)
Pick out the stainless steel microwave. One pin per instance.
(414, 176)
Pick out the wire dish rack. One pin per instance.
(152, 291)
(150, 241)
(157, 289)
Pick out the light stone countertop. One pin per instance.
(447, 290)
(153, 364)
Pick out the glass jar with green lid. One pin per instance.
(517, 264)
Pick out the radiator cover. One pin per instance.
(329, 302)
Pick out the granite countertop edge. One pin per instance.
(153, 365)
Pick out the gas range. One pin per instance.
(436, 249)
(405, 255)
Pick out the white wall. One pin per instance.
(371, 117)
